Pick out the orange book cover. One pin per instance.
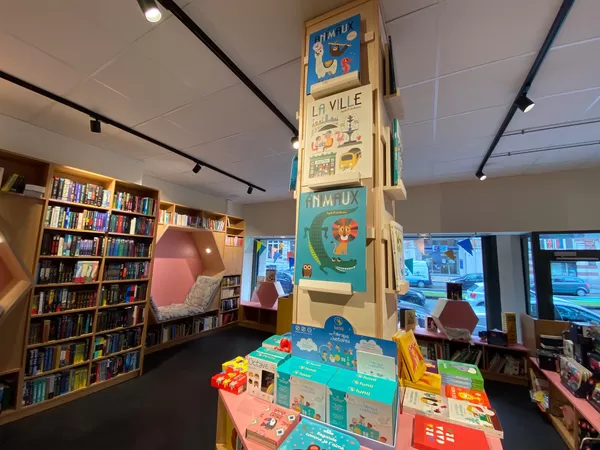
(469, 395)
(409, 351)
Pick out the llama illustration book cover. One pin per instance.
(331, 241)
(338, 139)
(334, 51)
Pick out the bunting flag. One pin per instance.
(466, 245)
(420, 244)
(260, 248)
(437, 257)
(450, 254)
(409, 264)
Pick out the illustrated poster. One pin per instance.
(331, 241)
(339, 136)
(397, 238)
(334, 51)
(336, 344)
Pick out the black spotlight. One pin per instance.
(150, 10)
(249, 191)
(295, 142)
(197, 168)
(95, 126)
(482, 176)
(524, 103)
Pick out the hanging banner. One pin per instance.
(437, 257)
(420, 244)
(409, 264)
(450, 254)
(466, 245)
(260, 248)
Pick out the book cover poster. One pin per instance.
(334, 51)
(397, 241)
(331, 241)
(338, 138)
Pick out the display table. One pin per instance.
(242, 409)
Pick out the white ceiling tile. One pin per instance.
(414, 41)
(167, 164)
(282, 86)
(172, 45)
(475, 124)
(33, 65)
(121, 142)
(267, 172)
(471, 148)
(581, 23)
(61, 31)
(418, 102)
(510, 162)
(393, 9)
(225, 113)
(482, 87)
(456, 166)
(417, 136)
(552, 167)
(20, 103)
(168, 133)
(475, 32)
(198, 180)
(548, 138)
(569, 155)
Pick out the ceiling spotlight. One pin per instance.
(208, 250)
(482, 176)
(295, 142)
(197, 168)
(524, 103)
(95, 126)
(249, 191)
(150, 10)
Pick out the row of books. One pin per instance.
(229, 304)
(228, 317)
(70, 245)
(51, 386)
(165, 216)
(109, 368)
(120, 317)
(469, 355)
(187, 220)
(131, 270)
(234, 241)
(131, 225)
(86, 220)
(7, 393)
(116, 342)
(71, 191)
(231, 280)
(178, 330)
(127, 247)
(67, 272)
(60, 327)
(57, 300)
(14, 183)
(117, 293)
(507, 364)
(230, 292)
(44, 359)
(134, 203)
(434, 350)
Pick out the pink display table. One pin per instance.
(242, 409)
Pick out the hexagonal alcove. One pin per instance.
(454, 314)
(181, 255)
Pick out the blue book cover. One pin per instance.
(334, 51)
(311, 435)
(331, 242)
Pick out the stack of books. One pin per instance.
(460, 374)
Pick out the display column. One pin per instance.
(348, 258)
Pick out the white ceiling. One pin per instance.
(459, 64)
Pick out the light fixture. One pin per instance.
(295, 142)
(208, 250)
(95, 126)
(249, 191)
(150, 10)
(524, 103)
(482, 176)
(197, 168)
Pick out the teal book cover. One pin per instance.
(309, 435)
(331, 241)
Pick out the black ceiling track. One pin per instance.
(560, 18)
(120, 126)
(187, 21)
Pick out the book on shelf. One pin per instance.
(35, 191)
(128, 247)
(7, 391)
(110, 343)
(131, 225)
(44, 359)
(507, 364)
(126, 201)
(52, 272)
(234, 241)
(109, 368)
(68, 190)
(60, 327)
(272, 426)
(230, 280)
(130, 270)
(15, 183)
(51, 386)
(86, 220)
(62, 299)
(165, 216)
(109, 319)
(121, 293)
(228, 317)
(55, 244)
(229, 304)
(230, 292)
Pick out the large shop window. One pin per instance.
(275, 254)
(434, 262)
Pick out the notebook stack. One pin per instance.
(460, 374)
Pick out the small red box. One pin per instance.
(431, 434)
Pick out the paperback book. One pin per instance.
(432, 434)
(272, 427)
(475, 416)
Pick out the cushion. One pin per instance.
(202, 292)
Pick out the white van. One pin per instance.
(420, 276)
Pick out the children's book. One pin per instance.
(272, 427)
(432, 434)
(409, 351)
(424, 403)
(313, 436)
(429, 382)
(397, 242)
(397, 153)
(475, 416)
(460, 374)
(469, 395)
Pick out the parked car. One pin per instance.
(413, 296)
(570, 286)
(286, 281)
(468, 280)
(565, 310)
(420, 275)
(476, 294)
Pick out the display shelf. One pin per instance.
(395, 192)
(60, 341)
(504, 378)
(23, 196)
(134, 280)
(54, 285)
(64, 396)
(111, 355)
(9, 371)
(60, 369)
(564, 433)
(423, 332)
(117, 305)
(181, 340)
(128, 257)
(132, 213)
(55, 201)
(115, 380)
(60, 313)
(70, 230)
(69, 257)
(113, 233)
(114, 330)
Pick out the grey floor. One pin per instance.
(173, 407)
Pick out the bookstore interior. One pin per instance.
(383, 319)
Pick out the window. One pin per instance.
(443, 260)
(275, 254)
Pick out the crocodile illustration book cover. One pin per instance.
(331, 242)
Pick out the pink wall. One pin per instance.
(177, 263)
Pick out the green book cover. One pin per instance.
(462, 370)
